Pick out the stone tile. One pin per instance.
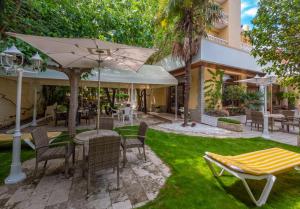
(140, 204)
(3, 189)
(118, 195)
(23, 193)
(135, 193)
(3, 202)
(102, 203)
(60, 192)
(122, 205)
(63, 205)
(29, 205)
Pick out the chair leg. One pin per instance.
(36, 168)
(88, 183)
(118, 177)
(45, 164)
(67, 166)
(265, 193)
(144, 153)
(124, 156)
(73, 155)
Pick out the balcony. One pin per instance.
(246, 47)
(222, 23)
(217, 40)
(220, 1)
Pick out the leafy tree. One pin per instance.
(233, 93)
(276, 38)
(123, 21)
(253, 100)
(186, 22)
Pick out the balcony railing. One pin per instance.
(217, 40)
(222, 23)
(246, 47)
(220, 1)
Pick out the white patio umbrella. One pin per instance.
(78, 53)
(263, 82)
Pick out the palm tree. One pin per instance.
(188, 21)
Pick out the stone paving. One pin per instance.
(140, 183)
(209, 131)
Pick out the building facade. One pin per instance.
(226, 49)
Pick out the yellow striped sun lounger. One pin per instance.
(263, 164)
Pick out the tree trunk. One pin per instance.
(113, 98)
(74, 78)
(187, 69)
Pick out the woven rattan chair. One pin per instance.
(289, 119)
(248, 116)
(257, 118)
(44, 150)
(106, 123)
(104, 153)
(135, 141)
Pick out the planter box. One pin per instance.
(230, 126)
(213, 121)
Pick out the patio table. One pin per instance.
(84, 137)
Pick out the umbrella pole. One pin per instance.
(132, 104)
(98, 103)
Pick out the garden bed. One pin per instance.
(230, 124)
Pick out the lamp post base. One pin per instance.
(16, 174)
(34, 123)
(265, 133)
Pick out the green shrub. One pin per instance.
(229, 120)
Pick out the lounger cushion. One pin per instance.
(270, 161)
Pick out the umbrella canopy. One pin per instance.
(266, 80)
(88, 53)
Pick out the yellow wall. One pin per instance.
(194, 93)
(234, 23)
(8, 92)
(158, 97)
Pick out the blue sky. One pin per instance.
(248, 11)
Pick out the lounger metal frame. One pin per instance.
(266, 191)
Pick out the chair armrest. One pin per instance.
(57, 143)
(53, 138)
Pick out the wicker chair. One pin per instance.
(86, 115)
(289, 119)
(44, 150)
(104, 153)
(106, 123)
(135, 141)
(248, 116)
(257, 118)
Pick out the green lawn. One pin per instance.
(191, 184)
(5, 157)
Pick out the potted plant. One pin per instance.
(230, 124)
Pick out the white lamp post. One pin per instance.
(266, 81)
(11, 60)
(36, 63)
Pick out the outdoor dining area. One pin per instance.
(110, 166)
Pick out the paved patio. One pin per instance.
(206, 130)
(140, 182)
